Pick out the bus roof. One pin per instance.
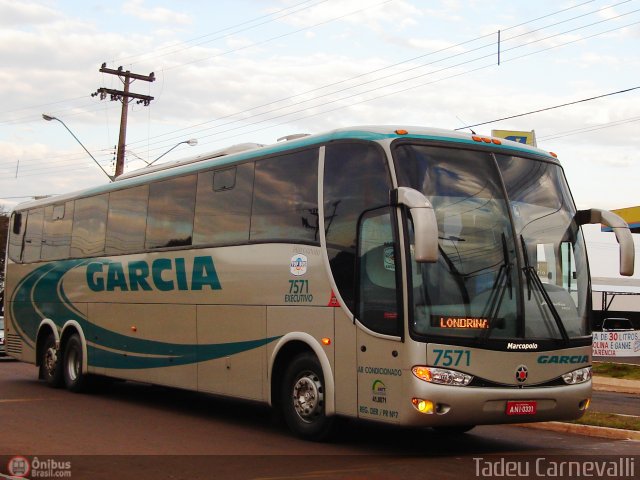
(246, 151)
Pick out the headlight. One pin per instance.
(577, 376)
(441, 376)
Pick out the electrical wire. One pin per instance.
(429, 73)
(550, 108)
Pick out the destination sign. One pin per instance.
(459, 322)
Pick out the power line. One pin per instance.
(392, 93)
(185, 43)
(409, 88)
(277, 37)
(379, 78)
(591, 128)
(405, 89)
(390, 66)
(551, 108)
(389, 84)
(267, 40)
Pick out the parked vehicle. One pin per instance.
(616, 325)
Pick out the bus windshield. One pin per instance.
(512, 261)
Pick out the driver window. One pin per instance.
(378, 299)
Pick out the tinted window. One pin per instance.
(89, 222)
(285, 200)
(171, 205)
(127, 220)
(378, 306)
(356, 179)
(223, 206)
(58, 220)
(16, 235)
(33, 236)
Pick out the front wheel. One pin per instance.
(303, 398)
(51, 363)
(74, 379)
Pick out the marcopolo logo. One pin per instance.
(162, 274)
(522, 346)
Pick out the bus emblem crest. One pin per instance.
(522, 373)
(298, 264)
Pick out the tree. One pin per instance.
(4, 230)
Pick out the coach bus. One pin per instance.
(411, 276)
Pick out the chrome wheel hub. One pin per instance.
(73, 365)
(308, 397)
(51, 360)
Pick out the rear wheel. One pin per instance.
(50, 362)
(303, 398)
(74, 379)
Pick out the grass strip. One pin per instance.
(617, 370)
(611, 420)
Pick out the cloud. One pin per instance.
(136, 8)
(16, 13)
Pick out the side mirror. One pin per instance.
(424, 222)
(620, 228)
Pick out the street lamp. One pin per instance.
(191, 142)
(48, 118)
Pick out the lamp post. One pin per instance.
(191, 142)
(48, 118)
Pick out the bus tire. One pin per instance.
(51, 363)
(74, 379)
(302, 399)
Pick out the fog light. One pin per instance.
(423, 406)
(584, 404)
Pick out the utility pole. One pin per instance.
(124, 96)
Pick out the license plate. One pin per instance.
(521, 408)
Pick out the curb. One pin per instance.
(608, 384)
(588, 430)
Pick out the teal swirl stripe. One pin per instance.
(40, 295)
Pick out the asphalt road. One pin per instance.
(609, 402)
(136, 431)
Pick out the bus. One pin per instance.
(405, 275)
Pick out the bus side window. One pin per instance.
(33, 236)
(171, 210)
(89, 226)
(285, 199)
(58, 221)
(223, 206)
(224, 179)
(16, 236)
(378, 299)
(127, 220)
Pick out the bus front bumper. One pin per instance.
(456, 405)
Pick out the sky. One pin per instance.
(229, 72)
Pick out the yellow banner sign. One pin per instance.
(516, 136)
(631, 215)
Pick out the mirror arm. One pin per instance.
(621, 230)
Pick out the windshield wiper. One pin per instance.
(503, 280)
(532, 278)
